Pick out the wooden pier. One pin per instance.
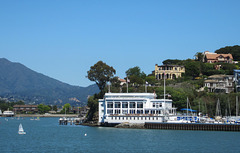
(71, 121)
(193, 126)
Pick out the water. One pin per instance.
(47, 136)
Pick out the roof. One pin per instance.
(215, 56)
(191, 110)
(210, 81)
(219, 76)
(214, 78)
(169, 65)
(236, 70)
(122, 80)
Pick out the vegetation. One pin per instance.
(93, 104)
(43, 108)
(101, 73)
(135, 75)
(5, 105)
(181, 88)
(66, 109)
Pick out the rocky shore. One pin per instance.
(131, 125)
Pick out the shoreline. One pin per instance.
(44, 115)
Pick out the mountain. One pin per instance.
(17, 82)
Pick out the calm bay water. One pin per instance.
(46, 135)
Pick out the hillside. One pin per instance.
(17, 82)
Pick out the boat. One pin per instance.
(8, 113)
(20, 129)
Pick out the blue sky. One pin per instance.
(63, 39)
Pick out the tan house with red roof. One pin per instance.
(217, 58)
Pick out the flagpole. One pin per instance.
(127, 84)
(164, 97)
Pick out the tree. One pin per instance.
(135, 71)
(173, 62)
(199, 56)
(150, 79)
(55, 107)
(192, 68)
(93, 104)
(43, 108)
(135, 75)
(101, 73)
(66, 108)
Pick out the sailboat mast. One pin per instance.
(237, 107)
(187, 106)
(164, 94)
(229, 108)
(199, 111)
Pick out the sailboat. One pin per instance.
(20, 130)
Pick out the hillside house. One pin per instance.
(236, 74)
(220, 83)
(171, 71)
(209, 57)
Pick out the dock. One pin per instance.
(71, 121)
(193, 126)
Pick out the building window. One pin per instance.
(124, 105)
(132, 105)
(110, 105)
(109, 111)
(117, 104)
(140, 105)
(117, 111)
(132, 111)
(124, 111)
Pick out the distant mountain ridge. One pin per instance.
(17, 82)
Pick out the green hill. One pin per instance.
(17, 82)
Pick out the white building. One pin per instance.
(134, 108)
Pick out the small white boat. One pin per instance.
(20, 130)
(8, 113)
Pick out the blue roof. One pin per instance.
(183, 109)
(236, 70)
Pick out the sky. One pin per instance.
(63, 39)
